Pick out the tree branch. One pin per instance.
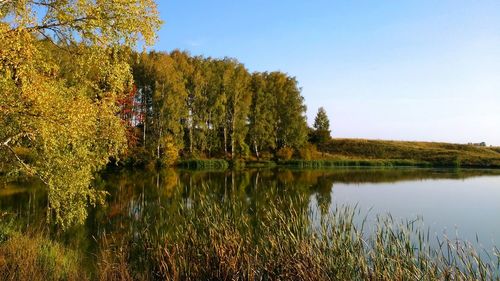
(19, 160)
(57, 24)
(3, 2)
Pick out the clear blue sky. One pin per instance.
(406, 70)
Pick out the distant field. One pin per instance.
(423, 153)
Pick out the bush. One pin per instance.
(136, 157)
(170, 151)
(260, 164)
(307, 152)
(238, 164)
(285, 153)
(265, 155)
(319, 137)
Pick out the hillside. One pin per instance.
(425, 153)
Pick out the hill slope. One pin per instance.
(425, 153)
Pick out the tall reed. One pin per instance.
(222, 240)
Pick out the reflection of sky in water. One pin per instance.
(449, 201)
(467, 207)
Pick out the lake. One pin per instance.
(449, 203)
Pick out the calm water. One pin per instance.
(448, 202)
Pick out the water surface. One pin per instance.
(448, 202)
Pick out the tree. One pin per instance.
(291, 125)
(262, 132)
(216, 106)
(321, 121)
(236, 88)
(321, 134)
(191, 77)
(221, 108)
(163, 86)
(63, 67)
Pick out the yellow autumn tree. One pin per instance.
(63, 65)
(170, 153)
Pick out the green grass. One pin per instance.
(33, 256)
(260, 164)
(417, 153)
(374, 153)
(204, 164)
(325, 164)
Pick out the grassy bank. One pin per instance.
(339, 163)
(419, 153)
(366, 153)
(204, 164)
(33, 256)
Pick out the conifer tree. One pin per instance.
(321, 134)
(321, 121)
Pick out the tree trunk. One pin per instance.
(233, 139)
(144, 132)
(233, 182)
(144, 118)
(160, 135)
(191, 138)
(225, 141)
(256, 149)
(158, 147)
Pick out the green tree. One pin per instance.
(236, 88)
(63, 66)
(184, 64)
(321, 133)
(262, 118)
(291, 125)
(216, 106)
(321, 121)
(164, 86)
(200, 105)
(222, 108)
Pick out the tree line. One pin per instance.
(197, 107)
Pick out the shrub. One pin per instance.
(319, 137)
(260, 164)
(170, 151)
(285, 153)
(137, 157)
(265, 155)
(307, 152)
(238, 164)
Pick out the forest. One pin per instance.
(196, 107)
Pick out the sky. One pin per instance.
(404, 70)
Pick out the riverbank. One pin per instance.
(371, 153)
(431, 154)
